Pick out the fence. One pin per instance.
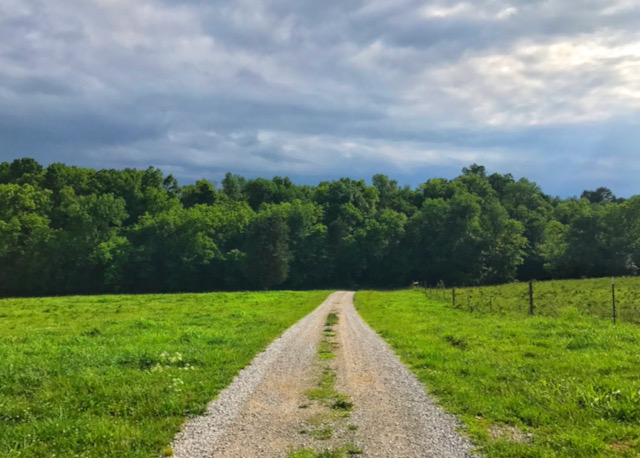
(615, 299)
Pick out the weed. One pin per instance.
(341, 404)
(325, 390)
(325, 350)
(342, 452)
(332, 319)
(352, 449)
(323, 433)
(303, 453)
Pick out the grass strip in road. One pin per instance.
(523, 386)
(341, 452)
(336, 406)
(117, 375)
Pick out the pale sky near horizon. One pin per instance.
(315, 90)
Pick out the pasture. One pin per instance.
(591, 297)
(562, 383)
(116, 376)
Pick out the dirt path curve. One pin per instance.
(320, 387)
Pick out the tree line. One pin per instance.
(72, 230)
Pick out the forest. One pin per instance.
(71, 230)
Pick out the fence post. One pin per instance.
(453, 297)
(613, 298)
(490, 303)
(530, 298)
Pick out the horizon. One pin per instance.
(315, 181)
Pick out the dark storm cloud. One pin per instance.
(318, 90)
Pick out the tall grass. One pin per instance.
(117, 375)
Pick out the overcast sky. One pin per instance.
(316, 90)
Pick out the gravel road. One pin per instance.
(267, 410)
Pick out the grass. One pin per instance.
(325, 391)
(322, 433)
(325, 350)
(342, 452)
(590, 297)
(332, 319)
(563, 385)
(117, 375)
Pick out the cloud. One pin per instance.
(323, 89)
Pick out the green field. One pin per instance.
(591, 297)
(116, 375)
(562, 385)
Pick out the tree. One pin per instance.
(233, 186)
(554, 249)
(443, 240)
(309, 264)
(393, 197)
(58, 176)
(503, 245)
(586, 238)
(142, 191)
(525, 202)
(90, 253)
(21, 171)
(76, 230)
(475, 169)
(202, 193)
(462, 237)
(624, 223)
(261, 191)
(170, 185)
(335, 196)
(267, 248)
(186, 249)
(25, 235)
(378, 242)
(499, 182)
(601, 195)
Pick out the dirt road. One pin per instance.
(328, 384)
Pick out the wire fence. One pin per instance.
(615, 299)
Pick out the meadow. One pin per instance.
(590, 297)
(561, 383)
(116, 376)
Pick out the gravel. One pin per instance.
(261, 413)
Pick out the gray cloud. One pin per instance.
(315, 90)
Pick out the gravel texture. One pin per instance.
(266, 413)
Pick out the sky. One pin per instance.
(317, 90)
